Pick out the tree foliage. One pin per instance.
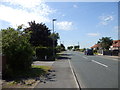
(40, 34)
(70, 47)
(105, 42)
(17, 49)
(42, 39)
(62, 47)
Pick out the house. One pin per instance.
(113, 50)
(96, 47)
(115, 45)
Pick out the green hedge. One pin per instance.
(44, 53)
(18, 51)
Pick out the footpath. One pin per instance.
(61, 76)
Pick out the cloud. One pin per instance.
(116, 29)
(75, 6)
(63, 15)
(24, 3)
(93, 34)
(22, 11)
(65, 25)
(105, 20)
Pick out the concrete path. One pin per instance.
(62, 76)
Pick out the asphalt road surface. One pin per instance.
(94, 71)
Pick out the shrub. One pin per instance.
(17, 49)
(43, 53)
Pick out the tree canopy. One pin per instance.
(105, 42)
(40, 34)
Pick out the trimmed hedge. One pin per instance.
(44, 53)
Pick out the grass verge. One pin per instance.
(26, 79)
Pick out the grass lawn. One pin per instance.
(27, 79)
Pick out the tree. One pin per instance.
(55, 37)
(62, 47)
(40, 34)
(70, 47)
(42, 39)
(105, 42)
(76, 47)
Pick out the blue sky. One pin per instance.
(83, 22)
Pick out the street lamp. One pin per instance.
(53, 38)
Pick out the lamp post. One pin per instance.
(53, 39)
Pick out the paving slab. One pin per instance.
(62, 76)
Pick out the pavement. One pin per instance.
(61, 76)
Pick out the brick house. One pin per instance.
(115, 45)
(96, 47)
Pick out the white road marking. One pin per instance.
(115, 59)
(73, 75)
(85, 57)
(99, 63)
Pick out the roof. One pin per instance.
(116, 43)
(95, 46)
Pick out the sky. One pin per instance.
(82, 23)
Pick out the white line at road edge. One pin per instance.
(73, 74)
(99, 63)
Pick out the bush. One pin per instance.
(17, 49)
(44, 53)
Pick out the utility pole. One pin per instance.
(78, 43)
(53, 39)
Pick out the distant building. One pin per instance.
(113, 50)
(96, 47)
(115, 45)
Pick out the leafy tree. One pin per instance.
(17, 49)
(62, 47)
(55, 37)
(42, 39)
(70, 47)
(105, 42)
(76, 47)
(40, 34)
(82, 50)
(58, 49)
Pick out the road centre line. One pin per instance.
(99, 63)
(115, 59)
(85, 57)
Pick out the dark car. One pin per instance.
(88, 52)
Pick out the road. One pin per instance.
(94, 71)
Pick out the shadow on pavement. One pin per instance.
(64, 56)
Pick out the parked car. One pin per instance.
(88, 52)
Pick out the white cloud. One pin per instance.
(75, 6)
(104, 20)
(25, 13)
(116, 29)
(65, 25)
(93, 34)
(24, 3)
(63, 15)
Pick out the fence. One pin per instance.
(109, 52)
